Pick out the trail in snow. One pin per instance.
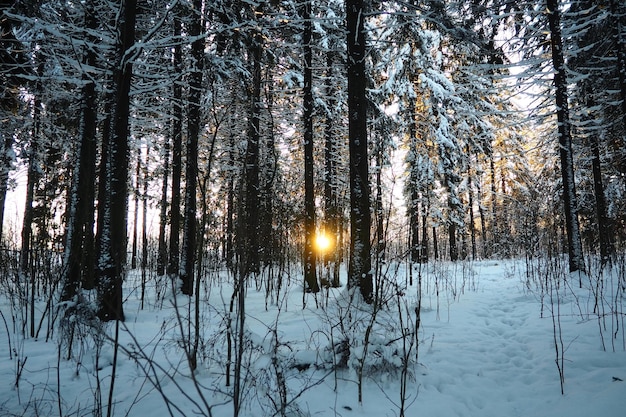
(484, 351)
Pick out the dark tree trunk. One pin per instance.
(177, 150)
(12, 63)
(454, 250)
(79, 250)
(113, 243)
(133, 251)
(470, 202)
(483, 226)
(378, 208)
(617, 17)
(193, 133)
(605, 229)
(413, 206)
(230, 213)
(268, 241)
(424, 244)
(5, 166)
(31, 180)
(359, 271)
(495, 237)
(331, 220)
(162, 245)
(310, 275)
(250, 227)
(576, 261)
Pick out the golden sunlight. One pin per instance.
(322, 242)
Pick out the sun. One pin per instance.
(322, 242)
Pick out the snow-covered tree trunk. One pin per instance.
(162, 244)
(193, 133)
(33, 175)
(618, 13)
(331, 218)
(576, 261)
(310, 275)
(249, 229)
(79, 250)
(177, 150)
(112, 256)
(11, 65)
(359, 271)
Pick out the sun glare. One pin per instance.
(322, 242)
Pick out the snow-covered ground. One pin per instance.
(486, 348)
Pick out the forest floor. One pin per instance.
(486, 348)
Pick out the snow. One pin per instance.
(486, 348)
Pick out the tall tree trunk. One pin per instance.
(250, 227)
(6, 143)
(133, 251)
(413, 206)
(79, 250)
(576, 261)
(310, 274)
(268, 240)
(177, 150)
(424, 252)
(495, 236)
(617, 17)
(470, 198)
(359, 270)
(162, 245)
(230, 212)
(193, 133)
(483, 226)
(112, 259)
(32, 179)
(331, 220)
(12, 63)
(605, 227)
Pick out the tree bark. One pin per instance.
(112, 259)
(576, 261)
(162, 245)
(310, 274)
(32, 179)
(79, 239)
(331, 218)
(359, 270)
(250, 227)
(193, 133)
(177, 138)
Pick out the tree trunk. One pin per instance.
(413, 206)
(331, 220)
(193, 133)
(177, 150)
(12, 63)
(112, 259)
(250, 227)
(6, 139)
(470, 202)
(162, 245)
(133, 251)
(32, 179)
(310, 274)
(576, 261)
(359, 271)
(617, 16)
(79, 250)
